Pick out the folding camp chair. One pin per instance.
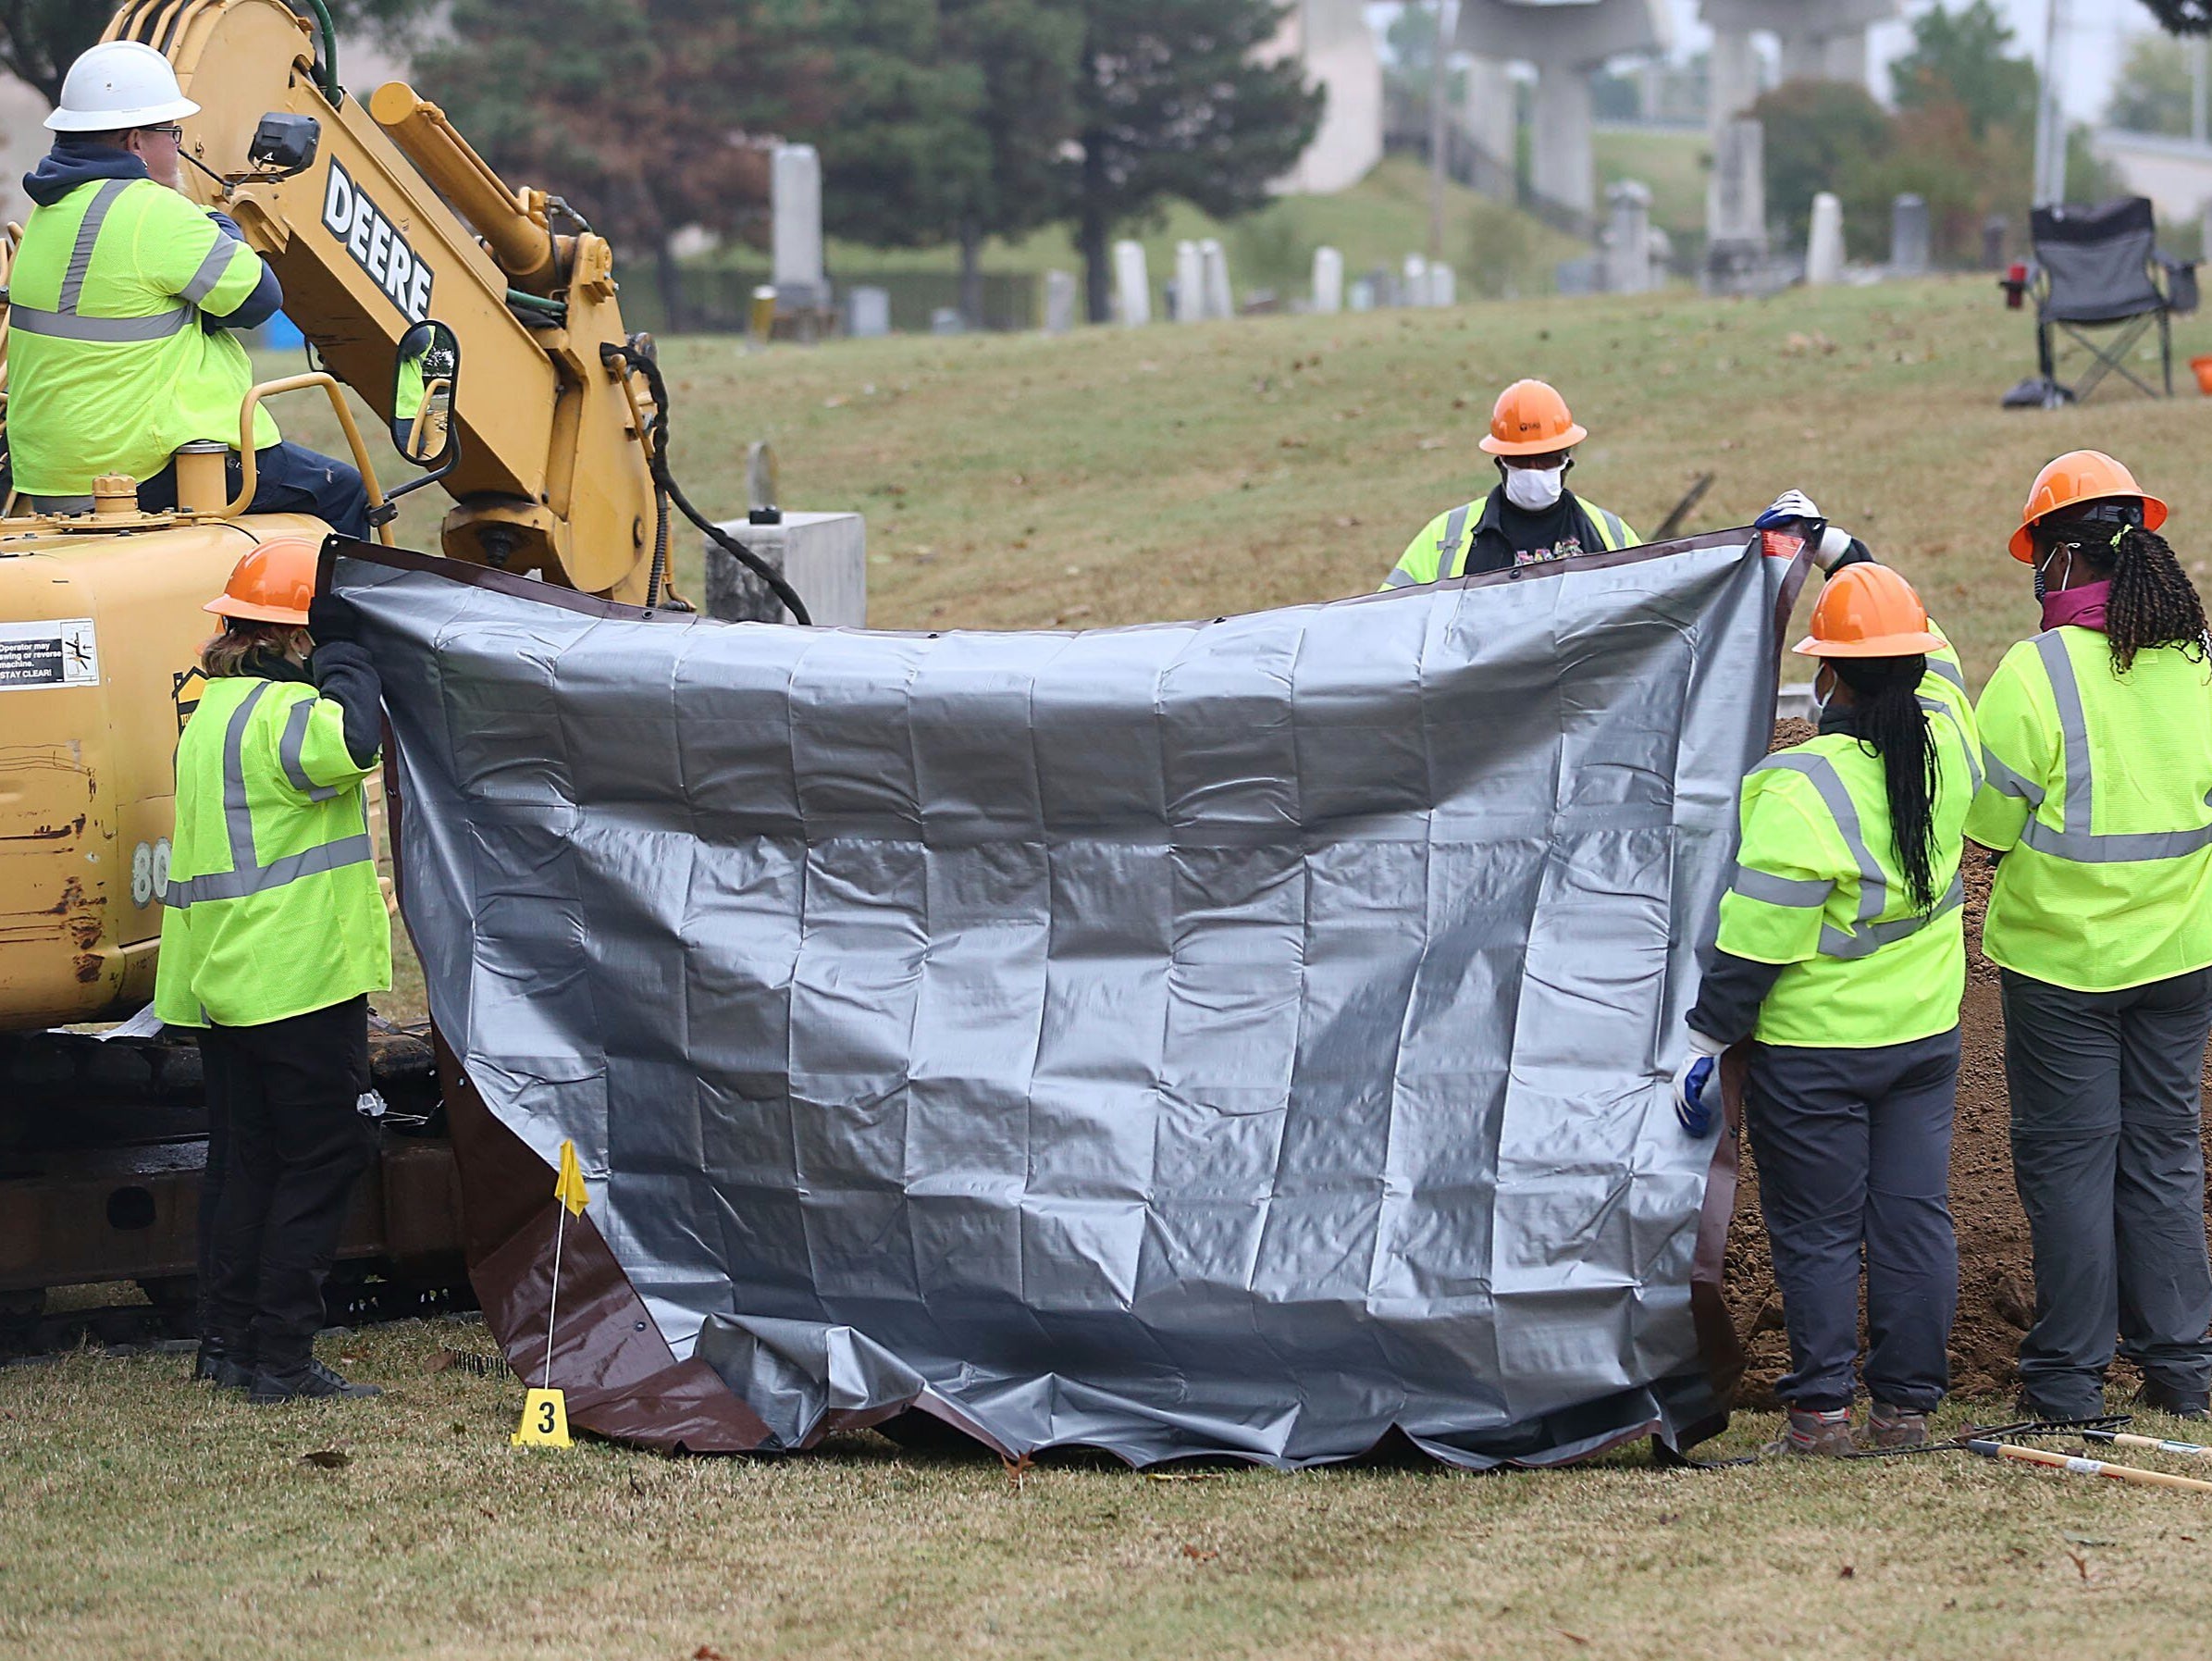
(2097, 269)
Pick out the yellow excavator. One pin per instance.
(483, 323)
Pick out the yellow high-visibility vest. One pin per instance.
(2098, 793)
(273, 908)
(109, 370)
(1818, 888)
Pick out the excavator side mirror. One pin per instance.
(424, 376)
(284, 144)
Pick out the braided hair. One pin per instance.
(1887, 720)
(2153, 603)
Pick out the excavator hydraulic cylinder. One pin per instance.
(519, 240)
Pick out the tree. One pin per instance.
(1815, 131)
(634, 110)
(40, 39)
(2182, 16)
(1961, 54)
(896, 119)
(2153, 89)
(1028, 51)
(1174, 101)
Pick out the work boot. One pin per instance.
(2165, 1398)
(311, 1382)
(1888, 1428)
(217, 1364)
(2027, 1406)
(1814, 1432)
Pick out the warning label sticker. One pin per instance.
(61, 651)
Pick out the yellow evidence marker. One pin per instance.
(545, 1421)
(545, 1412)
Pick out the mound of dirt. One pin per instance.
(1997, 1288)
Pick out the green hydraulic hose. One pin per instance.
(326, 68)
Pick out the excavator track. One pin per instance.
(102, 1148)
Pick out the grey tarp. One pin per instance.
(1239, 1037)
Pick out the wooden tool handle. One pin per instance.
(2089, 1468)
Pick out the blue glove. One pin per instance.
(1698, 1094)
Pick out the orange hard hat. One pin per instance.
(1868, 611)
(1531, 418)
(2077, 477)
(272, 584)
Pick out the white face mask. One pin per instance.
(1534, 489)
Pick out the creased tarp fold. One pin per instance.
(1245, 1038)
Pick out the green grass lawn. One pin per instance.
(1107, 477)
(141, 1517)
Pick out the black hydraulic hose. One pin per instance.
(656, 450)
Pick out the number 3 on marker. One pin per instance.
(545, 1421)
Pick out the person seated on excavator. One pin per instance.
(123, 305)
(1531, 515)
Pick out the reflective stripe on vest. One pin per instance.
(247, 874)
(1809, 894)
(1448, 563)
(2076, 841)
(1613, 530)
(64, 323)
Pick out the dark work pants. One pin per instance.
(216, 1089)
(287, 478)
(2107, 1153)
(297, 1143)
(1854, 1149)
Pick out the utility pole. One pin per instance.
(2196, 89)
(1439, 84)
(2050, 112)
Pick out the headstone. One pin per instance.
(1993, 230)
(868, 312)
(1059, 301)
(824, 556)
(1187, 304)
(1908, 236)
(1576, 277)
(1627, 257)
(1328, 278)
(1414, 280)
(795, 235)
(1736, 245)
(1214, 267)
(1132, 286)
(1360, 297)
(947, 319)
(1824, 241)
(1443, 285)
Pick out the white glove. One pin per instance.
(1698, 1085)
(1790, 505)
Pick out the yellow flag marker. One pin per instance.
(544, 1410)
(568, 1188)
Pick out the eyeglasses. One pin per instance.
(171, 131)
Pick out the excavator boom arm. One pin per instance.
(371, 239)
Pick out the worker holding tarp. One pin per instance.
(2097, 746)
(273, 934)
(1531, 515)
(1840, 954)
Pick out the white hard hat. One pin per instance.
(120, 84)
